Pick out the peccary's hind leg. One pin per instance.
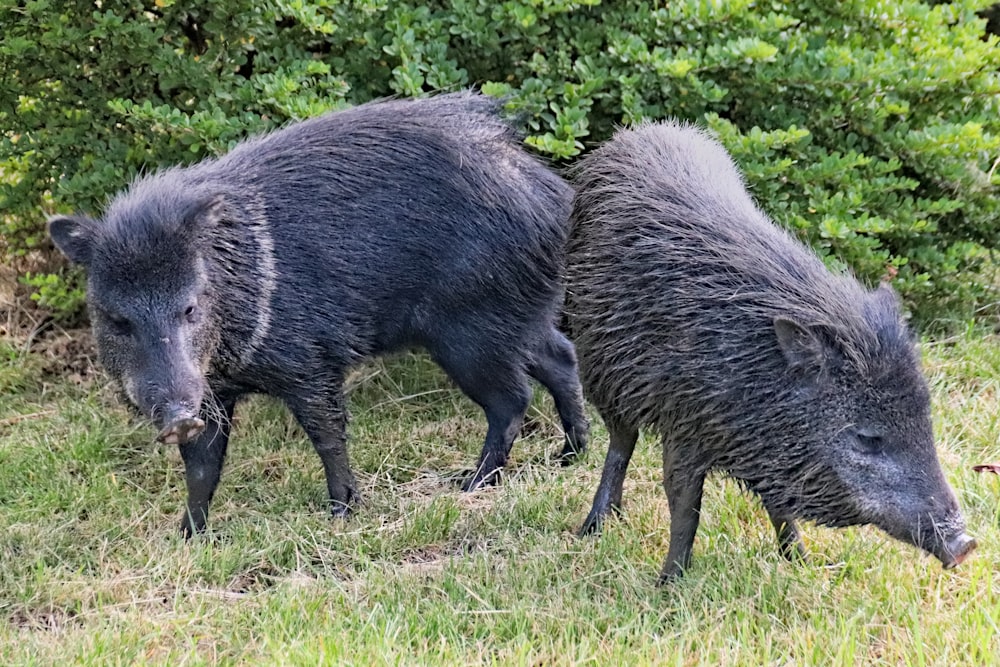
(504, 408)
(683, 483)
(203, 458)
(609, 491)
(323, 416)
(554, 365)
(789, 540)
(500, 388)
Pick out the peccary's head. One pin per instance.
(866, 450)
(150, 301)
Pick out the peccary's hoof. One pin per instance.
(181, 431)
(795, 554)
(575, 446)
(569, 455)
(592, 525)
(595, 520)
(959, 548)
(669, 576)
(191, 528)
(478, 480)
(339, 510)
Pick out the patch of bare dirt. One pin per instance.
(255, 579)
(45, 617)
(426, 561)
(66, 353)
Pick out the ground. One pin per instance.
(93, 571)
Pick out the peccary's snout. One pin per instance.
(174, 395)
(955, 550)
(181, 424)
(944, 538)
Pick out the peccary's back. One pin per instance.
(675, 278)
(443, 182)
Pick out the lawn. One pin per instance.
(94, 572)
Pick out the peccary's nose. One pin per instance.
(181, 425)
(958, 549)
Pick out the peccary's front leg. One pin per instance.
(609, 492)
(323, 416)
(789, 540)
(683, 484)
(203, 458)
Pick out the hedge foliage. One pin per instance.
(871, 128)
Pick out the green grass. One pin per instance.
(92, 570)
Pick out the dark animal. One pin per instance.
(279, 266)
(696, 317)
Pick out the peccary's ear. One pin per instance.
(803, 347)
(74, 236)
(204, 212)
(887, 298)
(884, 311)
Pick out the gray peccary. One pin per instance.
(279, 266)
(696, 317)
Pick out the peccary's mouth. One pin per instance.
(957, 550)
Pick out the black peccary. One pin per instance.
(280, 265)
(695, 316)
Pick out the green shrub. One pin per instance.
(868, 127)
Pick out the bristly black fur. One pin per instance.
(698, 318)
(277, 267)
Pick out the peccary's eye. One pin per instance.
(870, 441)
(191, 313)
(118, 325)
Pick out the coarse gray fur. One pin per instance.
(696, 317)
(277, 267)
